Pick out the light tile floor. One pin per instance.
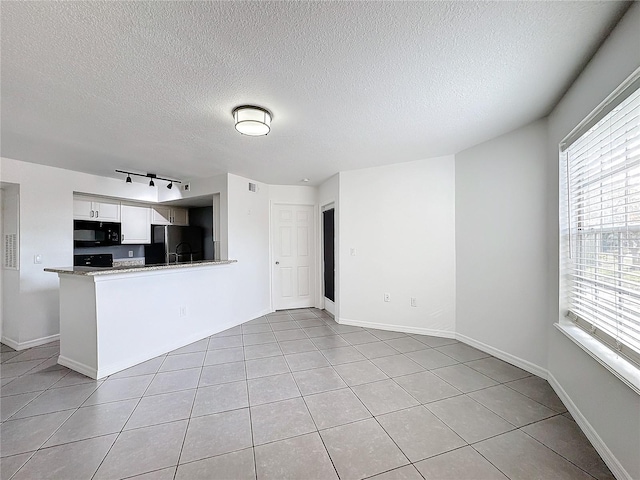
(290, 395)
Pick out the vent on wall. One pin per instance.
(253, 187)
(11, 251)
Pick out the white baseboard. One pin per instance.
(261, 314)
(396, 328)
(29, 344)
(609, 458)
(107, 370)
(78, 367)
(502, 355)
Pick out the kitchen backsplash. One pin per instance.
(118, 251)
(128, 262)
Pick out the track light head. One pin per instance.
(151, 177)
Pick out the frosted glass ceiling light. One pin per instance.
(253, 121)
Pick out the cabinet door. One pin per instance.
(107, 211)
(136, 224)
(83, 208)
(161, 215)
(180, 216)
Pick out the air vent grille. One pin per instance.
(11, 251)
(253, 187)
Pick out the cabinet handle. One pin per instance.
(97, 213)
(122, 236)
(91, 214)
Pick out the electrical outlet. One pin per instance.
(130, 253)
(414, 302)
(37, 258)
(387, 297)
(183, 311)
(353, 252)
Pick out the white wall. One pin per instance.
(30, 297)
(501, 258)
(46, 228)
(401, 221)
(9, 209)
(609, 409)
(293, 194)
(248, 220)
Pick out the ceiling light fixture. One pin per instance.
(251, 120)
(150, 176)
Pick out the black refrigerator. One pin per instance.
(174, 244)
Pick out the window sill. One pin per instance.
(619, 366)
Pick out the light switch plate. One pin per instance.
(37, 258)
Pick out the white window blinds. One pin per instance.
(602, 225)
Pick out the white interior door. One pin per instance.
(293, 254)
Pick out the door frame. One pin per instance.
(314, 246)
(324, 300)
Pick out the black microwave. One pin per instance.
(95, 234)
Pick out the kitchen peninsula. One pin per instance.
(114, 318)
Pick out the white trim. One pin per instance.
(507, 357)
(78, 367)
(609, 458)
(397, 328)
(29, 344)
(330, 304)
(622, 368)
(262, 313)
(602, 109)
(104, 371)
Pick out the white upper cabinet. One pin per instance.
(180, 216)
(162, 215)
(136, 224)
(88, 208)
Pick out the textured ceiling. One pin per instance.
(150, 86)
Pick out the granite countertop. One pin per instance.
(93, 271)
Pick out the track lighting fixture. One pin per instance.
(150, 176)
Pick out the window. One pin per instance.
(600, 165)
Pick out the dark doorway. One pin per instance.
(203, 217)
(328, 229)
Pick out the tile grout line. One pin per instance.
(253, 443)
(314, 420)
(193, 402)
(317, 349)
(128, 418)
(554, 451)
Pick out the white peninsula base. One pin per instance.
(111, 320)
